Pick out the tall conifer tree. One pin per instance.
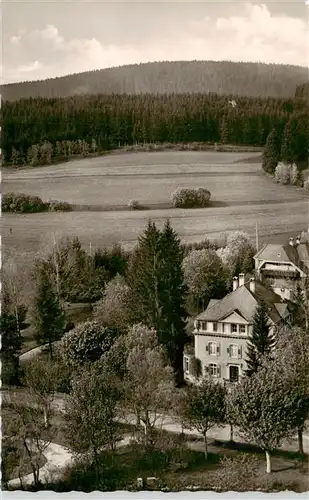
(157, 290)
(49, 318)
(261, 341)
(271, 154)
(172, 333)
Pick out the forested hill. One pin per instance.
(246, 79)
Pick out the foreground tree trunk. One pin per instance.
(50, 345)
(268, 462)
(45, 411)
(231, 433)
(206, 446)
(300, 441)
(147, 431)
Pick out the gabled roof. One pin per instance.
(282, 309)
(298, 255)
(244, 302)
(274, 253)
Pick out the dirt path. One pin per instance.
(57, 459)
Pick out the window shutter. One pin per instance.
(239, 351)
(218, 349)
(228, 351)
(218, 371)
(207, 348)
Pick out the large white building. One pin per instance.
(221, 331)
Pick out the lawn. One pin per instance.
(185, 466)
(241, 196)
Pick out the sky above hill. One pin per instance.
(44, 39)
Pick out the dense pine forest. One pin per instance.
(223, 77)
(54, 128)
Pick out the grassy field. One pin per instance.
(241, 196)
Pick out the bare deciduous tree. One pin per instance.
(24, 429)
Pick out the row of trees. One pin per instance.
(46, 129)
(132, 377)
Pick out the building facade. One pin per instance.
(221, 331)
(283, 266)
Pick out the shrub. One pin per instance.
(134, 205)
(306, 185)
(87, 342)
(22, 203)
(288, 174)
(196, 367)
(190, 198)
(283, 173)
(238, 473)
(59, 206)
(296, 176)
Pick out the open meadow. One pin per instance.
(102, 187)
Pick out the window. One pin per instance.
(234, 350)
(233, 328)
(213, 370)
(234, 373)
(212, 349)
(186, 365)
(242, 328)
(215, 327)
(204, 326)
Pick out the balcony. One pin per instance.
(288, 273)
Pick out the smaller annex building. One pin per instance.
(283, 266)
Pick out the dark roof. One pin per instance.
(299, 255)
(244, 302)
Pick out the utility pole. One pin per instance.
(256, 237)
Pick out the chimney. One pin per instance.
(291, 242)
(235, 283)
(252, 285)
(241, 279)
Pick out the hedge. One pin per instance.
(27, 203)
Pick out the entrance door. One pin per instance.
(234, 373)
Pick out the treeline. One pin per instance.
(83, 125)
(223, 77)
(286, 155)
